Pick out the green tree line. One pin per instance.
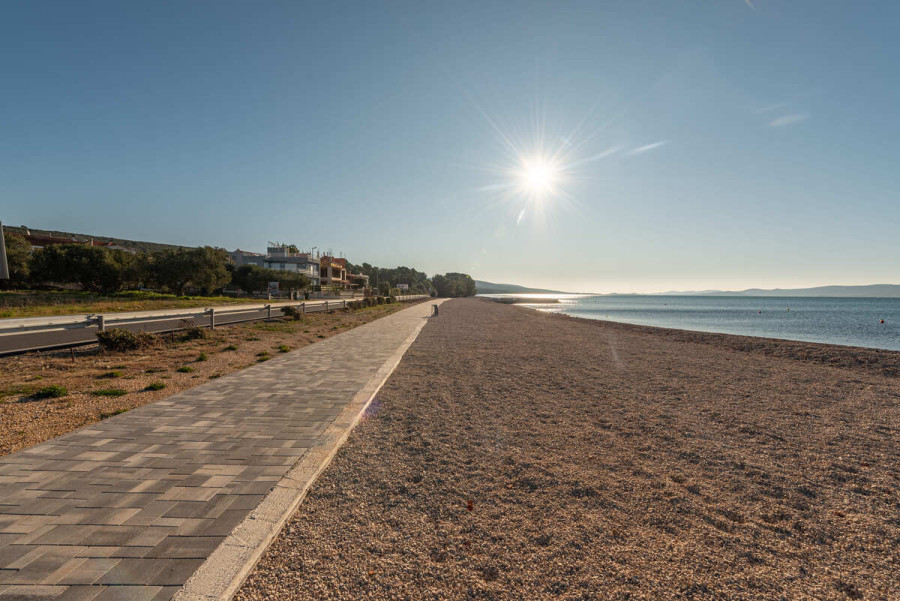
(203, 270)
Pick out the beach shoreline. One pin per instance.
(883, 361)
(517, 454)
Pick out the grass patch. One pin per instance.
(17, 390)
(185, 369)
(283, 348)
(230, 347)
(107, 414)
(154, 370)
(252, 338)
(202, 357)
(110, 374)
(320, 336)
(156, 385)
(50, 392)
(214, 376)
(109, 392)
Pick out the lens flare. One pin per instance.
(538, 176)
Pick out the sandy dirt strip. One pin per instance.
(520, 455)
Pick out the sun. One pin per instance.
(538, 176)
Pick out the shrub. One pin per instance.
(289, 311)
(156, 385)
(110, 374)
(185, 369)
(153, 370)
(109, 392)
(50, 392)
(230, 347)
(120, 340)
(380, 300)
(195, 333)
(283, 348)
(263, 354)
(202, 357)
(390, 299)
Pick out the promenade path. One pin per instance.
(132, 507)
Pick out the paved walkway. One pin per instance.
(131, 507)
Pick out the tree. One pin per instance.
(18, 258)
(199, 268)
(454, 285)
(97, 269)
(252, 278)
(416, 280)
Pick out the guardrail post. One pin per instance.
(303, 308)
(212, 319)
(268, 311)
(344, 303)
(326, 305)
(101, 323)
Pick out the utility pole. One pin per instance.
(4, 266)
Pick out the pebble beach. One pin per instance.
(515, 454)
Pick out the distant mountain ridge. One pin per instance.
(492, 288)
(871, 291)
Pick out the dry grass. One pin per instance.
(39, 303)
(90, 375)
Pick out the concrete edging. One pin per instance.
(223, 573)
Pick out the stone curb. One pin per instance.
(223, 573)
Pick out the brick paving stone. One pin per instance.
(129, 508)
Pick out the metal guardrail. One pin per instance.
(201, 316)
(108, 320)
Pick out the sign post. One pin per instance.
(4, 266)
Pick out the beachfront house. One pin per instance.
(282, 258)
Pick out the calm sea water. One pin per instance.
(847, 321)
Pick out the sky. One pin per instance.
(580, 146)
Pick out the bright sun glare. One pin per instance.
(538, 176)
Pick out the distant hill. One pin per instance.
(135, 244)
(872, 290)
(491, 288)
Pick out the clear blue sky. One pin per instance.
(706, 144)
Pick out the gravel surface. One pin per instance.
(521, 455)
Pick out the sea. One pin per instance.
(844, 321)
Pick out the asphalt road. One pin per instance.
(63, 338)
